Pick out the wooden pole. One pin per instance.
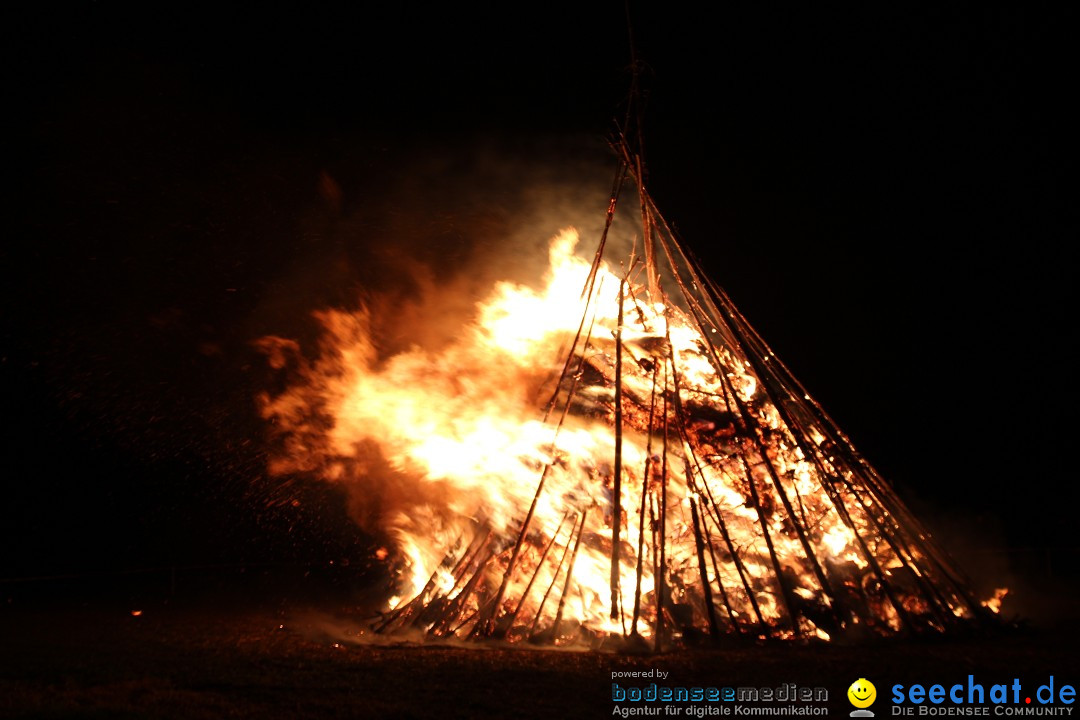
(487, 624)
(401, 612)
(616, 514)
(716, 571)
(590, 282)
(551, 585)
(569, 577)
(641, 514)
(539, 567)
(706, 587)
(661, 572)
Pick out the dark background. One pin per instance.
(881, 190)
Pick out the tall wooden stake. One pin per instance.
(616, 513)
(569, 577)
(644, 499)
(661, 571)
(706, 587)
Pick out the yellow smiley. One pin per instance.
(862, 693)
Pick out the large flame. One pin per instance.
(490, 466)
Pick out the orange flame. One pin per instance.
(448, 448)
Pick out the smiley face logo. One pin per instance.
(862, 693)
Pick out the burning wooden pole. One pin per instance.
(404, 610)
(616, 513)
(644, 498)
(539, 567)
(706, 586)
(486, 625)
(554, 579)
(587, 292)
(716, 572)
(569, 577)
(740, 567)
(454, 607)
(660, 574)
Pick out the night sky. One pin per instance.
(880, 190)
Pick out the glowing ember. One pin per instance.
(628, 420)
(994, 603)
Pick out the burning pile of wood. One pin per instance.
(655, 476)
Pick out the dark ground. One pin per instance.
(241, 644)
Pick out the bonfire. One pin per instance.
(617, 458)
